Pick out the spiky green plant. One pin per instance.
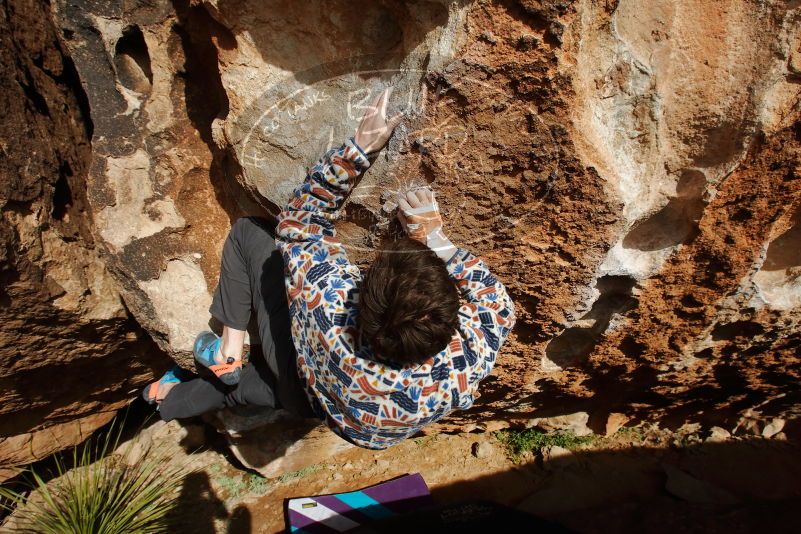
(519, 442)
(100, 491)
(300, 473)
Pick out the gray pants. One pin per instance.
(251, 279)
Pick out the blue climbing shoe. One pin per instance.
(176, 375)
(207, 344)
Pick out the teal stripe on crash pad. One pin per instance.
(365, 504)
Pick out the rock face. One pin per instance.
(629, 172)
(210, 111)
(152, 104)
(71, 352)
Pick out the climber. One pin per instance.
(377, 357)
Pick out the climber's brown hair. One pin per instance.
(408, 305)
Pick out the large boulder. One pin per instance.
(71, 354)
(630, 173)
(209, 111)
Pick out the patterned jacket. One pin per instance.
(369, 403)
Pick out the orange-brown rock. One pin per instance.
(70, 352)
(628, 169)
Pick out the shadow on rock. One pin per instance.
(274, 442)
(731, 486)
(198, 505)
(240, 521)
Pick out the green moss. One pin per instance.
(519, 442)
(232, 486)
(240, 486)
(257, 484)
(632, 432)
(425, 441)
(300, 473)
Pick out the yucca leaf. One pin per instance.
(101, 491)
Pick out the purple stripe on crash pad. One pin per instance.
(408, 505)
(307, 524)
(331, 502)
(402, 494)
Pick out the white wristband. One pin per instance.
(440, 244)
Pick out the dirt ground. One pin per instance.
(639, 479)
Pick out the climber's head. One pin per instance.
(408, 305)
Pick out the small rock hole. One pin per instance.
(674, 224)
(132, 60)
(785, 251)
(730, 331)
(574, 346)
(62, 194)
(632, 348)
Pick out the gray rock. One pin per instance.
(718, 434)
(381, 464)
(192, 436)
(686, 487)
(575, 423)
(615, 422)
(482, 449)
(775, 426)
(555, 452)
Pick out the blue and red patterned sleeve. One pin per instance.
(305, 231)
(485, 319)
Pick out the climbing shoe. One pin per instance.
(176, 375)
(207, 345)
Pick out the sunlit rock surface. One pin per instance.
(71, 354)
(628, 169)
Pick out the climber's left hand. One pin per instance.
(375, 128)
(420, 216)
